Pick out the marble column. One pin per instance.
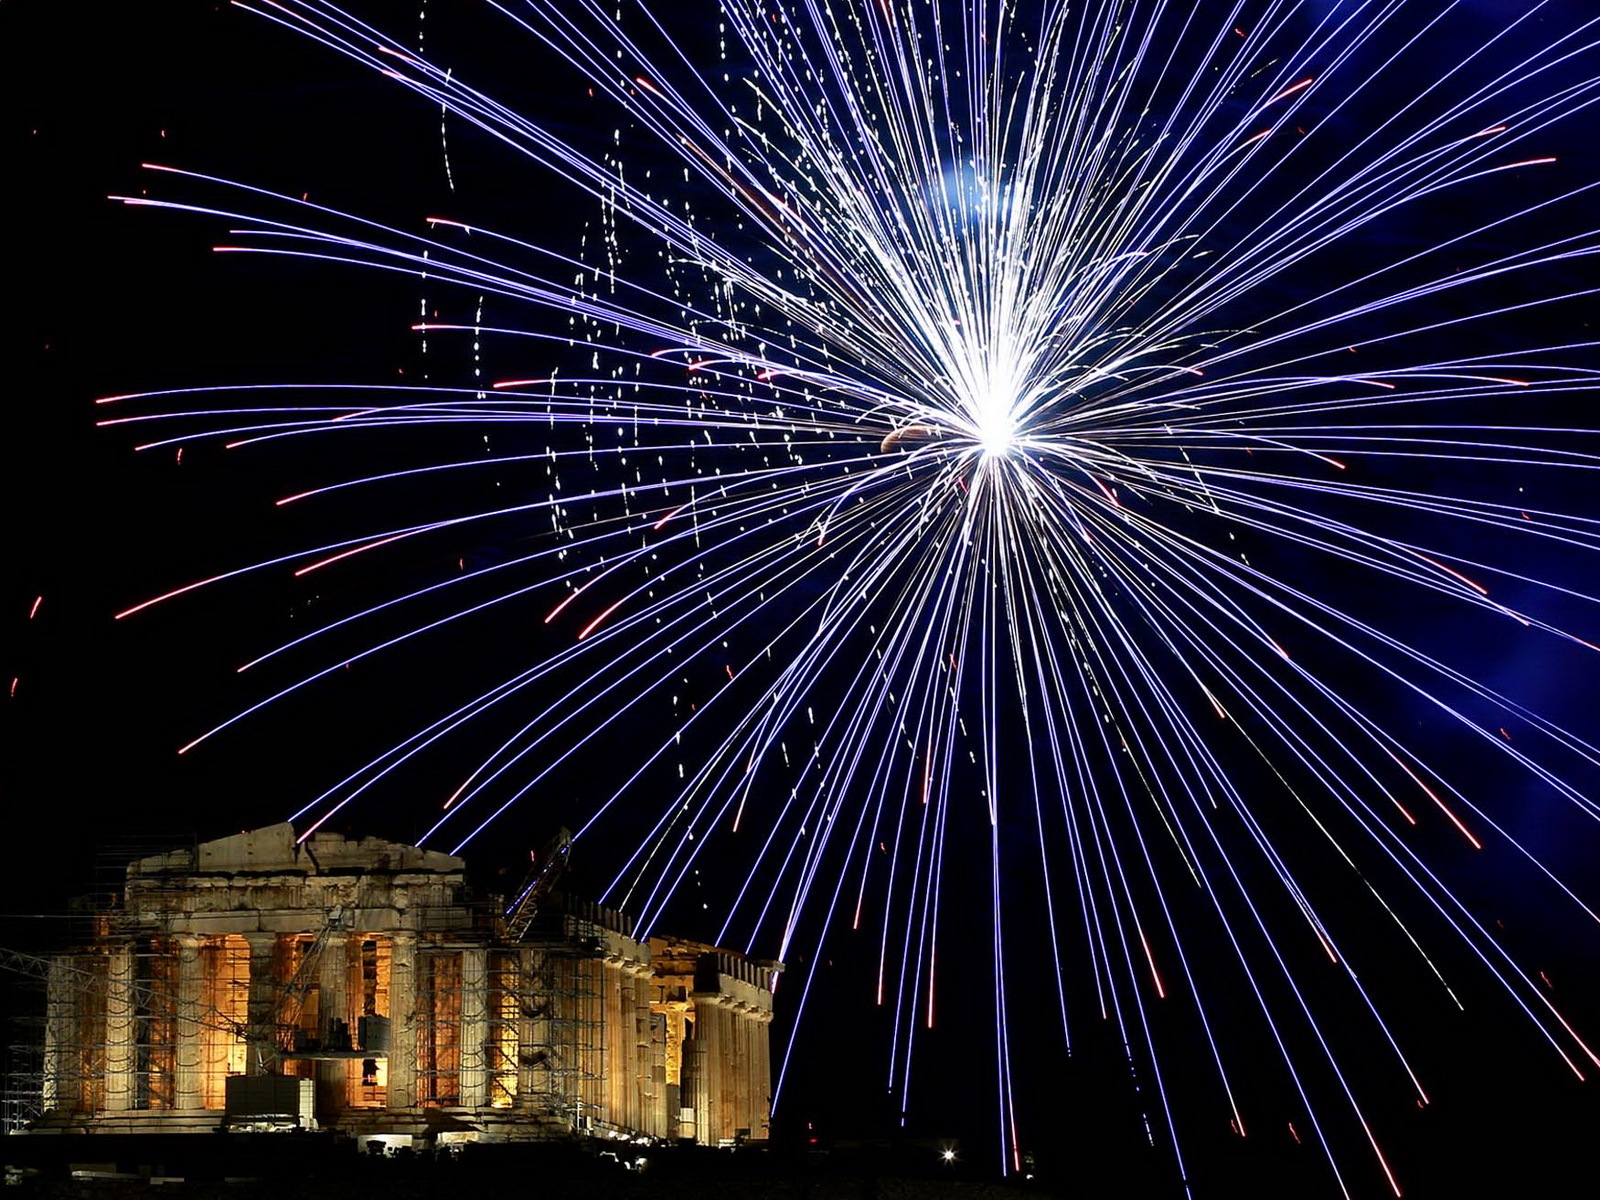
(763, 1074)
(696, 1077)
(636, 1009)
(739, 1065)
(614, 1068)
(663, 1122)
(187, 1052)
(120, 1027)
(334, 1026)
(710, 1027)
(260, 1014)
(592, 1034)
(474, 1026)
(402, 1087)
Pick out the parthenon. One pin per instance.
(356, 985)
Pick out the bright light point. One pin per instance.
(997, 440)
(996, 429)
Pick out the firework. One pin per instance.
(1077, 449)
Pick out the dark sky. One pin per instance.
(111, 298)
(107, 299)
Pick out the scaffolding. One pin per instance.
(22, 1095)
(521, 1027)
(501, 1045)
(21, 1099)
(101, 1026)
(111, 1026)
(154, 1016)
(439, 1004)
(225, 992)
(565, 1052)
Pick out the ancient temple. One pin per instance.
(259, 982)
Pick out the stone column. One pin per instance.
(357, 1006)
(730, 1071)
(119, 1029)
(334, 1028)
(710, 1060)
(594, 1032)
(402, 1087)
(663, 1123)
(763, 1073)
(726, 1095)
(260, 1014)
(636, 1014)
(741, 1068)
(696, 1078)
(187, 1053)
(614, 1077)
(746, 1076)
(474, 1027)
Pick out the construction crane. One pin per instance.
(540, 881)
(277, 1031)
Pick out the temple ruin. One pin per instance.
(258, 982)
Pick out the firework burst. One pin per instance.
(1073, 440)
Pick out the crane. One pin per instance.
(543, 874)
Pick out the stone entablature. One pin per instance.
(265, 880)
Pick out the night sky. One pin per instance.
(107, 299)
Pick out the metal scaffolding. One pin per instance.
(562, 1007)
(22, 1095)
